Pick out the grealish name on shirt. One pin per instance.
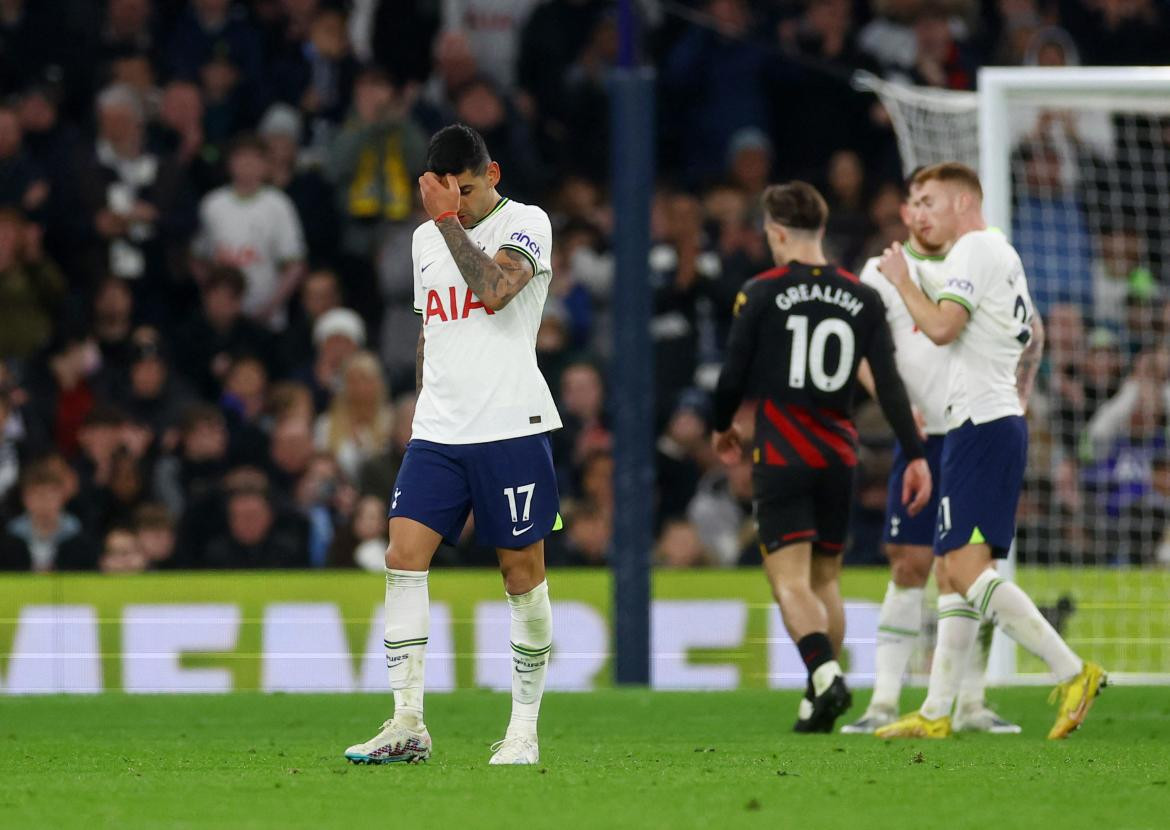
(804, 293)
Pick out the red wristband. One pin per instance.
(445, 214)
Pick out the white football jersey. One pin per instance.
(984, 274)
(258, 234)
(924, 366)
(480, 378)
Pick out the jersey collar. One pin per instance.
(913, 254)
(500, 204)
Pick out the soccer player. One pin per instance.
(480, 435)
(909, 540)
(799, 333)
(984, 310)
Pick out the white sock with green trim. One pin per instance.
(899, 623)
(531, 634)
(958, 623)
(408, 624)
(1006, 604)
(973, 688)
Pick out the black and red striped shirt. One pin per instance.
(799, 334)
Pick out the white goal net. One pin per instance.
(1075, 164)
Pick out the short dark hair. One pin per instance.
(248, 143)
(41, 473)
(457, 148)
(796, 205)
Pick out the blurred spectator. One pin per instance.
(848, 226)
(136, 213)
(1049, 231)
(359, 421)
(679, 546)
(113, 322)
(941, 60)
(290, 452)
(721, 512)
(683, 265)
(179, 133)
(493, 30)
(584, 104)
(154, 529)
(25, 35)
(192, 473)
(152, 395)
(11, 431)
(1119, 269)
(254, 227)
(211, 339)
(257, 536)
(213, 28)
(362, 542)
(31, 287)
(22, 185)
(45, 537)
(377, 474)
(683, 454)
(718, 83)
(320, 292)
(121, 552)
(374, 162)
(582, 406)
(290, 399)
(480, 105)
(316, 74)
(303, 183)
(454, 67)
(59, 391)
(326, 500)
(337, 334)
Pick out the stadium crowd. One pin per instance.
(206, 331)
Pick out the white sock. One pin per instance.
(899, 622)
(1006, 604)
(408, 624)
(531, 635)
(973, 686)
(958, 623)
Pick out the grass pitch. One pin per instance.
(609, 759)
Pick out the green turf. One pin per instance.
(609, 759)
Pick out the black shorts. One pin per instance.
(802, 504)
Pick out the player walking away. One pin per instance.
(985, 311)
(799, 333)
(480, 435)
(909, 540)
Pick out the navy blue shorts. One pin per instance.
(901, 527)
(510, 486)
(982, 472)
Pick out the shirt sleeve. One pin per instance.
(741, 348)
(966, 275)
(891, 392)
(530, 234)
(290, 237)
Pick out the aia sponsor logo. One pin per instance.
(449, 308)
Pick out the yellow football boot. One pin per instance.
(1075, 696)
(916, 726)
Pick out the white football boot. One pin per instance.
(394, 744)
(516, 750)
(982, 719)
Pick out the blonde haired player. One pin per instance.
(984, 312)
(924, 368)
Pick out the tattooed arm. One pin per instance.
(494, 281)
(418, 362)
(1030, 362)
